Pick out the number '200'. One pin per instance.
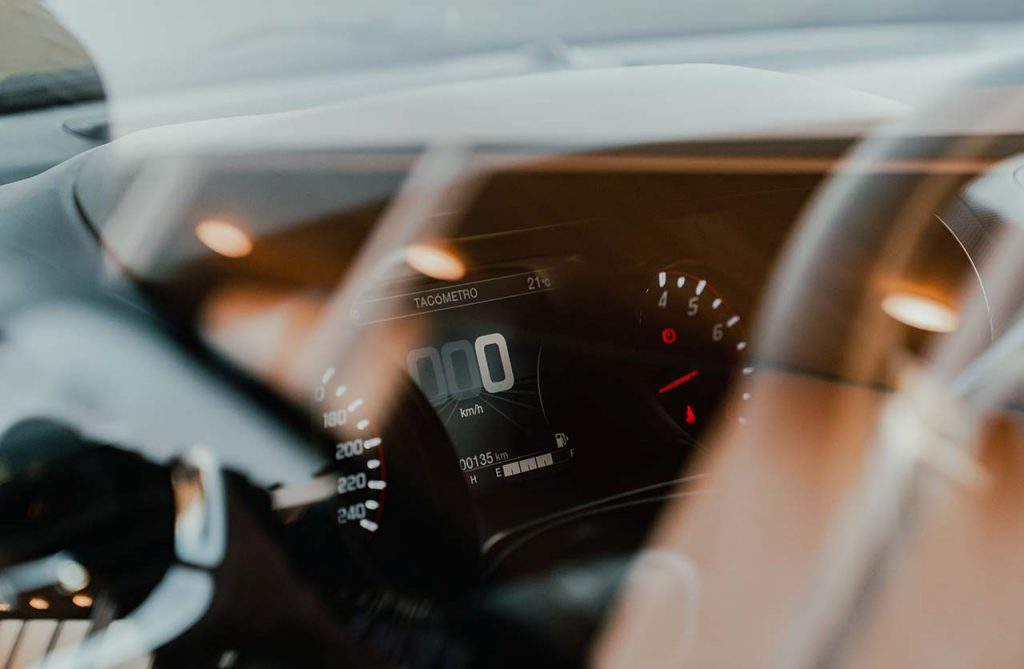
(460, 368)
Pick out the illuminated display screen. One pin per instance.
(480, 364)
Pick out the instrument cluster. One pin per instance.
(564, 391)
(531, 384)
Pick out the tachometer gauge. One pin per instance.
(358, 453)
(697, 345)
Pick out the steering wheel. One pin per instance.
(194, 558)
(868, 514)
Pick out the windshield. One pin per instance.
(358, 28)
(490, 23)
(154, 52)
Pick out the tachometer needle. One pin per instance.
(678, 382)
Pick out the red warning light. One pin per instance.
(691, 417)
(668, 335)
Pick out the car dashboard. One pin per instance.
(534, 374)
(454, 365)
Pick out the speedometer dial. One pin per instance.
(697, 344)
(358, 453)
(391, 498)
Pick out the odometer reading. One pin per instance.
(485, 459)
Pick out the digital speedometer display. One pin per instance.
(480, 369)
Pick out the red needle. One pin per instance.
(678, 382)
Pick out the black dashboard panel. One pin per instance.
(562, 379)
(545, 363)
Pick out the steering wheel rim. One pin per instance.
(869, 215)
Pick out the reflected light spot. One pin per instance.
(224, 238)
(4, 607)
(82, 601)
(39, 604)
(921, 312)
(435, 261)
(72, 576)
